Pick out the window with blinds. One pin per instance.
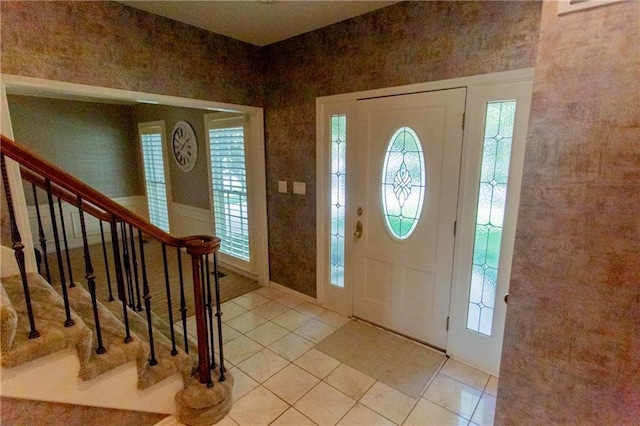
(151, 138)
(229, 185)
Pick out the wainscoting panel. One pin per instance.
(189, 220)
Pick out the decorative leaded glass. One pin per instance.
(338, 197)
(496, 155)
(403, 183)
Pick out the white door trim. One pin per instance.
(474, 348)
(255, 125)
(344, 103)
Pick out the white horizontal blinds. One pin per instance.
(154, 177)
(229, 183)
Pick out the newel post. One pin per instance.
(196, 248)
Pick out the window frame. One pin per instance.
(146, 128)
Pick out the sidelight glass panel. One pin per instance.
(403, 183)
(496, 156)
(338, 197)
(229, 181)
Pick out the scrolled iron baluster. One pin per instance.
(68, 322)
(134, 260)
(91, 279)
(210, 311)
(147, 302)
(120, 277)
(219, 317)
(183, 302)
(41, 236)
(106, 262)
(174, 351)
(127, 265)
(18, 249)
(66, 245)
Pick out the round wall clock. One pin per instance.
(184, 146)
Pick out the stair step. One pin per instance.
(30, 412)
(48, 308)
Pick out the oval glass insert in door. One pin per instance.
(403, 183)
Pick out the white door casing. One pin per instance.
(462, 344)
(404, 284)
(474, 348)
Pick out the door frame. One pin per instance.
(255, 125)
(340, 299)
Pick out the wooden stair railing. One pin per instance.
(57, 183)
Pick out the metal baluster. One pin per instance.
(127, 266)
(135, 268)
(210, 311)
(66, 245)
(18, 249)
(219, 316)
(119, 277)
(68, 322)
(106, 262)
(174, 351)
(183, 303)
(147, 302)
(91, 279)
(42, 238)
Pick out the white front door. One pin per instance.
(404, 170)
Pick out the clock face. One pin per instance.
(184, 146)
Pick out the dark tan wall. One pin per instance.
(572, 341)
(95, 142)
(410, 42)
(189, 188)
(111, 45)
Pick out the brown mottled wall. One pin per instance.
(111, 45)
(410, 42)
(571, 352)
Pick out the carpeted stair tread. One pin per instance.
(113, 332)
(160, 325)
(168, 364)
(49, 313)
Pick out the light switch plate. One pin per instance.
(282, 186)
(299, 188)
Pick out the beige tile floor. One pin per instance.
(280, 379)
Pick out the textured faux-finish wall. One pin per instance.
(409, 42)
(571, 351)
(104, 43)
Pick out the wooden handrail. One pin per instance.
(70, 189)
(195, 244)
(64, 195)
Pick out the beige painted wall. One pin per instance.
(571, 352)
(95, 142)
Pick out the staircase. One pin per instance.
(60, 342)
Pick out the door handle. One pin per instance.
(358, 232)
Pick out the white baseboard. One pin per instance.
(189, 220)
(293, 292)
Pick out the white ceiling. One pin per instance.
(258, 22)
